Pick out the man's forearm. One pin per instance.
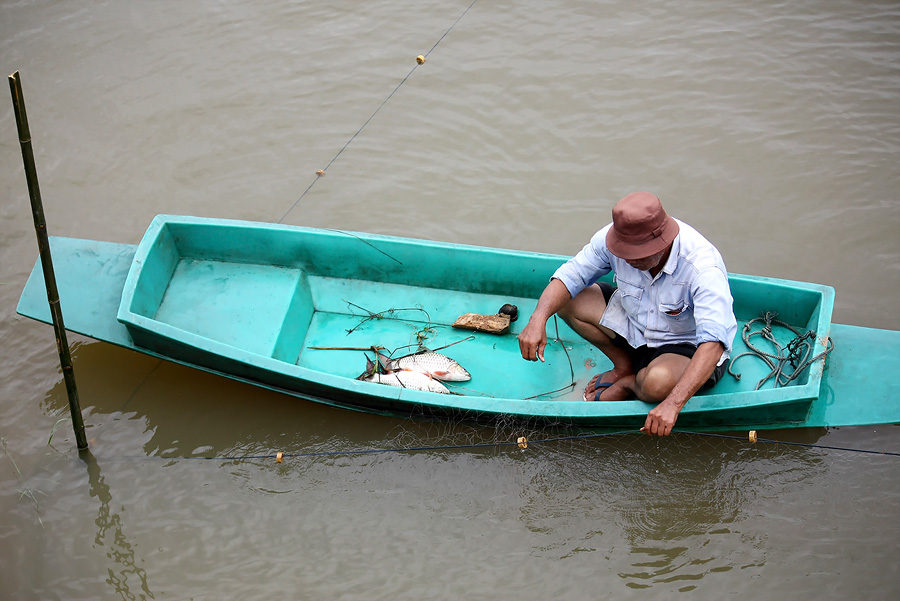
(553, 298)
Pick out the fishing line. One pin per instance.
(387, 314)
(159, 363)
(791, 443)
(522, 443)
(352, 235)
(350, 452)
(321, 172)
(571, 368)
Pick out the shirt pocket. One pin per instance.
(677, 317)
(630, 295)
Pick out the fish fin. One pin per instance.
(384, 362)
(370, 369)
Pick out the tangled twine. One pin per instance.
(796, 352)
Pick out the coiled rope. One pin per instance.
(796, 352)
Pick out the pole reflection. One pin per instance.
(111, 535)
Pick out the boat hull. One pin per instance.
(308, 292)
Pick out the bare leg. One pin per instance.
(653, 383)
(656, 381)
(583, 314)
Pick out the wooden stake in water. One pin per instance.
(43, 239)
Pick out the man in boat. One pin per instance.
(669, 325)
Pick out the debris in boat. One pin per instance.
(388, 314)
(491, 324)
(436, 365)
(511, 310)
(414, 380)
(344, 348)
(423, 334)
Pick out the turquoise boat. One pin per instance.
(294, 309)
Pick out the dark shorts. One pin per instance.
(643, 355)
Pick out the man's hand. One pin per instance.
(533, 340)
(661, 419)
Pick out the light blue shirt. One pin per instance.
(689, 301)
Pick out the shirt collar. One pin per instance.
(673, 256)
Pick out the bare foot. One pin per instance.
(620, 390)
(608, 377)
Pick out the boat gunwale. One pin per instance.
(340, 386)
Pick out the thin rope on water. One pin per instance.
(796, 444)
(519, 443)
(350, 452)
(322, 172)
(146, 378)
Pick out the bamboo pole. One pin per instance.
(43, 240)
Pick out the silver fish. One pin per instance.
(403, 378)
(439, 367)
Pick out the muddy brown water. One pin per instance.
(773, 128)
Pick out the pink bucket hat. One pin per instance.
(641, 227)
